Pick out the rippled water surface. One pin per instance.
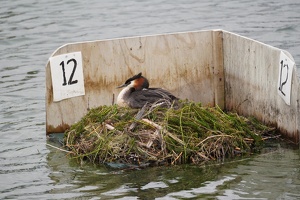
(30, 30)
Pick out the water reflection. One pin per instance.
(265, 176)
(31, 30)
(270, 175)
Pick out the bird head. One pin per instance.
(138, 82)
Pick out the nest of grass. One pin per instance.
(156, 135)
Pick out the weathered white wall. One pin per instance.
(187, 64)
(213, 67)
(251, 83)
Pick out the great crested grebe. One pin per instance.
(137, 93)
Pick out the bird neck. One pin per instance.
(124, 95)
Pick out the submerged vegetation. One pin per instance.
(156, 136)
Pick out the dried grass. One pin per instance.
(156, 135)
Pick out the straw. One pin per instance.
(154, 135)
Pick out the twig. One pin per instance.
(213, 136)
(153, 124)
(271, 137)
(113, 99)
(109, 127)
(138, 117)
(58, 148)
(176, 158)
(167, 133)
(203, 156)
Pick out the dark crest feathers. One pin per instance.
(133, 78)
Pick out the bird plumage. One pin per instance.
(137, 93)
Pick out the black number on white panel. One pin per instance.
(70, 81)
(282, 81)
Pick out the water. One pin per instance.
(30, 30)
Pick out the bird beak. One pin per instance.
(124, 85)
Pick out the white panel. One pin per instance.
(285, 75)
(67, 76)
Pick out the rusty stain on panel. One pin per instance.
(180, 62)
(251, 73)
(214, 67)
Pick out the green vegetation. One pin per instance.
(156, 136)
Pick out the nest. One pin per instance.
(157, 136)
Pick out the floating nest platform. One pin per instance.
(162, 136)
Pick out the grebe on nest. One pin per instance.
(137, 93)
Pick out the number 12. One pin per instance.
(281, 82)
(70, 81)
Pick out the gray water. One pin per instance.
(30, 30)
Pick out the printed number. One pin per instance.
(281, 82)
(70, 81)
